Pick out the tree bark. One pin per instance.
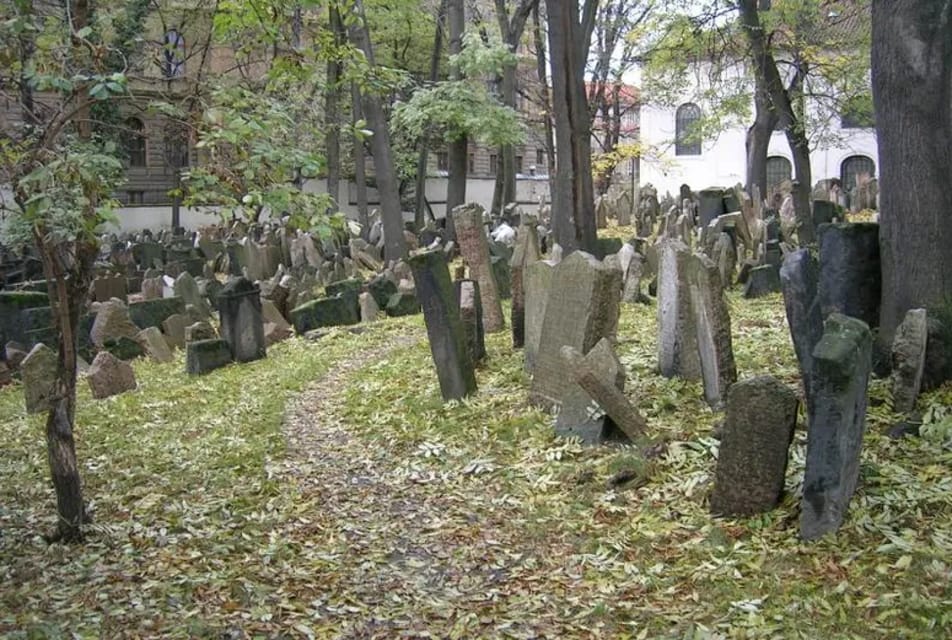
(332, 100)
(573, 204)
(543, 76)
(758, 139)
(360, 172)
(458, 149)
(387, 186)
(418, 215)
(912, 85)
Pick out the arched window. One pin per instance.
(173, 54)
(687, 142)
(133, 139)
(778, 170)
(855, 166)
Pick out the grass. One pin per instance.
(192, 509)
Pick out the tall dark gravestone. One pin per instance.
(436, 293)
(850, 281)
(242, 326)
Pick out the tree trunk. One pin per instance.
(331, 110)
(387, 185)
(802, 184)
(360, 172)
(418, 214)
(543, 76)
(912, 85)
(758, 140)
(573, 205)
(458, 149)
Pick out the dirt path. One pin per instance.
(404, 559)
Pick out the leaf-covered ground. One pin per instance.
(233, 506)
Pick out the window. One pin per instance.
(173, 54)
(518, 164)
(442, 161)
(778, 170)
(855, 166)
(686, 141)
(493, 164)
(540, 157)
(133, 139)
(858, 113)
(134, 197)
(471, 163)
(176, 145)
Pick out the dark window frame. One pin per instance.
(686, 143)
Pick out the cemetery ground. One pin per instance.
(326, 491)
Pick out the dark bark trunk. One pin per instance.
(544, 93)
(360, 172)
(331, 110)
(418, 217)
(457, 150)
(573, 207)
(387, 185)
(758, 140)
(912, 93)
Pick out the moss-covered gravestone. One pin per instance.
(202, 356)
(242, 326)
(326, 312)
(454, 368)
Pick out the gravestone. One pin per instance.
(38, 373)
(454, 369)
(582, 309)
(474, 247)
(369, 310)
(677, 336)
(403, 303)
(842, 362)
(187, 289)
(525, 253)
(109, 376)
(381, 287)
(850, 280)
(152, 288)
(724, 254)
(242, 326)
(154, 344)
(108, 287)
(199, 331)
(908, 359)
(326, 312)
(762, 281)
(151, 313)
(203, 356)
(537, 279)
(799, 277)
(471, 316)
(174, 329)
(752, 460)
(710, 204)
(112, 322)
(713, 324)
(631, 291)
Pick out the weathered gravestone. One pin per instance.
(909, 359)
(112, 322)
(601, 380)
(850, 280)
(38, 372)
(471, 316)
(109, 376)
(537, 279)
(403, 303)
(677, 336)
(187, 289)
(762, 280)
(200, 331)
(799, 277)
(752, 462)
(174, 329)
(582, 309)
(842, 362)
(154, 344)
(443, 326)
(474, 247)
(525, 253)
(108, 287)
(203, 356)
(712, 321)
(369, 309)
(151, 313)
(242, 326)
(326, 312)
(152, 288)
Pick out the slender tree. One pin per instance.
(912, 85)
(458, 147)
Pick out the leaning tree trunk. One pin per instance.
(573, 204)
(458, 149)
(395, 247)
(912, 85)
(802, 186)
(758, 141)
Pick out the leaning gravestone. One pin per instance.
(242, 326)
(174, 329)
(471, 315)
(38, 372)
(842, 362)
(187, 289)
(154, 344)
(443, 326)
(799, 277)
(474, 247)
(850, 280)
(112, 322)
(537, 280)
(677, 337)
(582, 309)
(526, 252)
(109, 376)
(752, 461)
(909, 359)
(712, 321)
